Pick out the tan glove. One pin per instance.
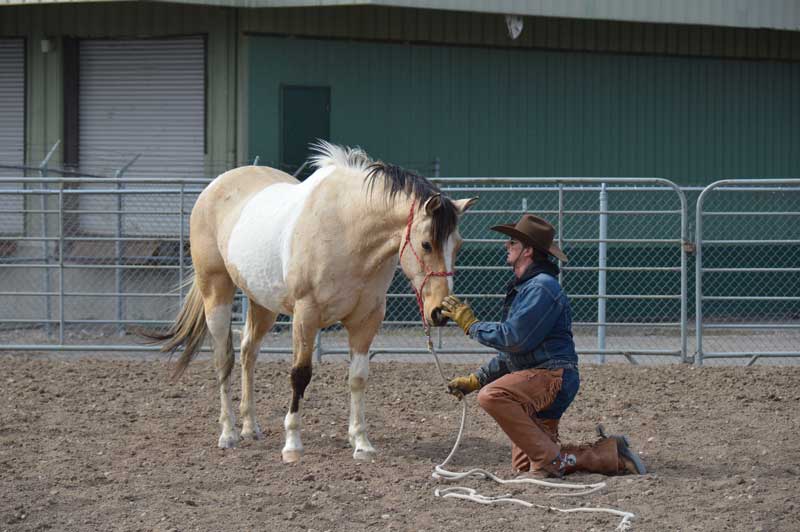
(458, 311)
(461, 386)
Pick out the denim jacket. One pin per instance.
(536, 329)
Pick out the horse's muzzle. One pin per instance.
(437, 318)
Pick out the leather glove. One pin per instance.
(461, 386)
(458, 311)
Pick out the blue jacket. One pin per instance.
(536, 329)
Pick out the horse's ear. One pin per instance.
(432, 203)
(463, 204)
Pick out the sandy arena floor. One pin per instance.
(109, 444)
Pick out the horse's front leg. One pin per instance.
(361, 335)
(304, 330)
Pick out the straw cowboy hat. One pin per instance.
(534, 232)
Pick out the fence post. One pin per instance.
(601, 273)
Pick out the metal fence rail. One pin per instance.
(89, 260)
(747, 270)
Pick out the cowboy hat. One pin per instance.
(534, 232)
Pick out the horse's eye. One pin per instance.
(427, 246)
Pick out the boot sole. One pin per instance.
(624, 450)
(623, 446)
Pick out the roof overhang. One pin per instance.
(770, 14)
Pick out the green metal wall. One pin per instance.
(491, 112)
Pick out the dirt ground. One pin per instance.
(109, 444)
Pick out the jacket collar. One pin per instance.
(533, 270)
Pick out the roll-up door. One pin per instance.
(12, 130)
(145, 98)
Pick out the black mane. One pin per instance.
(397, 179)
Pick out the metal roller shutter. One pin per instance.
(141, 97)
(12, 130)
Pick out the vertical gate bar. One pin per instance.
(61, 265)
(318, 347)
(180, 244)
(45, 244)
(118, 252)
(560, 235)
(684, 277)
(118, 244)
(601, 273)
(46, 256)
(698, 277)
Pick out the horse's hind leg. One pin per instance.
(259, 321)
(305, 323)
(218, 291)
(361, 334)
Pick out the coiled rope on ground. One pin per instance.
(470, 494)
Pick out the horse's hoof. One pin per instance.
(290, 457)
(364, 455)
(228, 441)
(252, 434)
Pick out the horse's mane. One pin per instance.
(395, 180)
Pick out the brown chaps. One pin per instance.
(514, 401)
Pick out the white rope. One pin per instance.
(458, 492)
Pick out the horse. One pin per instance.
(324, 251)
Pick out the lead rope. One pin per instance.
(460, 492)
(440, 472)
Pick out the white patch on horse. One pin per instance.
(357, 431)
(448, 259)
(293, 448)
(260, 244)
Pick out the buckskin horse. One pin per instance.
(324, 251)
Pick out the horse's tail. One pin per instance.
(189, 330)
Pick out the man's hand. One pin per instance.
(458, 311)
(461, 386)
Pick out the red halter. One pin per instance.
(429, 273)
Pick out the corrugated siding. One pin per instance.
(12, 128)
(12, 103)
(490, 112)
(142, 97)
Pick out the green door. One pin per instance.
(305, 118)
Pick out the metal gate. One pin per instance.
(62, 288)
(747, 265)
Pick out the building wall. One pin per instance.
(134, 20)
(484, 35)
(503, 112)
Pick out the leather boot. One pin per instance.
(629, 461)
(599, 457)
(608, 456)
(553, 469)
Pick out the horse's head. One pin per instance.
(428, 251)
